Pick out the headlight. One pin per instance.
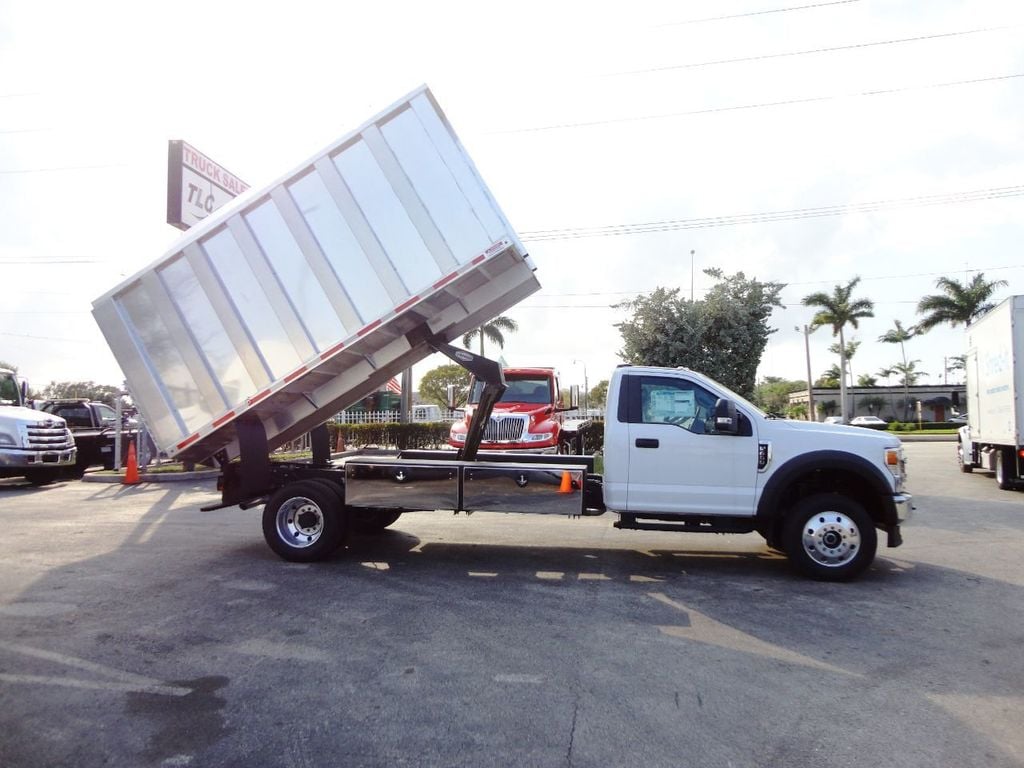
(459, 437)
(7, 440)
(896, 464)
(539, 437)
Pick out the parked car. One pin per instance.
(868, 421)
(833, 420)
(959, 418)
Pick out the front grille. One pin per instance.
(509, 429)
(48, 436)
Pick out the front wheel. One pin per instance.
(304, 521)
(962, 458)
(830, 537)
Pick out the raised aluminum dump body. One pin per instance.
(304, 296)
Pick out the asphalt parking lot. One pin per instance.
(136, 630)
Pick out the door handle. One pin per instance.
(646, 442)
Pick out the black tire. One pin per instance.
(1006, 475)
(961, 457)
(339, 493)
(370, 522)
(304, 521)
(43, 476)
(830, 537)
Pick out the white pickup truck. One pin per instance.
(296, 300)
(34, 445)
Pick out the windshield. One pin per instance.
(9, 394)
(535, 389)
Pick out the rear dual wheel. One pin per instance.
(305, 521)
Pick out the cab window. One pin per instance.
(675, 401)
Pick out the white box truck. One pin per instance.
(302, 297)
(992, 439)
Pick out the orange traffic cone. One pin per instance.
(131, 470)
(566, 486)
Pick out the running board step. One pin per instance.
(687, 525)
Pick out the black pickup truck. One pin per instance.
(94, 426)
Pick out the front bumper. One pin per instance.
(904, 506)
(21, 459)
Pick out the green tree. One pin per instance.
(82, 390)
(829, 379)
(722, 335)
(494, 330)
(434, 385)
(900, 335)
(772, 393)
(598, 395)
(959, 303)
(838, 310)
(867, 380)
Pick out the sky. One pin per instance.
(657, 138)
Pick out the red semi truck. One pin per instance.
(528, 418)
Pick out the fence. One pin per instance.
(391, 417)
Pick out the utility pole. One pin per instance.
(691, 275)
(811, 415)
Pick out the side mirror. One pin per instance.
(726, 421)
(24, 391)
(574, 396)
(450, 394)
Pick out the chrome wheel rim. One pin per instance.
(831, 539)
(300, 522)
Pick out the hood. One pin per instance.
(836, 432)
(29, 415)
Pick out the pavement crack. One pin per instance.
(572, 733)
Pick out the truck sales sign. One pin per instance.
(196, 186)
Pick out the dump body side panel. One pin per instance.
(302, 297)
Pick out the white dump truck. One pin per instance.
(994, 436)
(302, 297)
(34, 445)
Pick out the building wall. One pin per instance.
(938, 401)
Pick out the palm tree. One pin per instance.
(887, 374)
(959, 304)
(898, 335)
(910, 376)
(838, 310)
(493, 331)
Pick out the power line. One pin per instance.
(668, 225)
(758, 13)
(760, 105)
(64, 168)
(810, 51)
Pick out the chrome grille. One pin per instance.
(48, 436)
(505, 429)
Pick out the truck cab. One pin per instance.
(94, 425)
(682, 452)
(527, 417)
(36, 446)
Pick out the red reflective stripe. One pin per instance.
(190, 440)
(331, 351)
(407, 304)
(260, 396)
(295, 374)
(445, 280)
(494, 249)
(369, 328)
(479, 258)
(226, 417)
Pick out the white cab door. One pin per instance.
(677, 463)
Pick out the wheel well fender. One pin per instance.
(824, 472)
